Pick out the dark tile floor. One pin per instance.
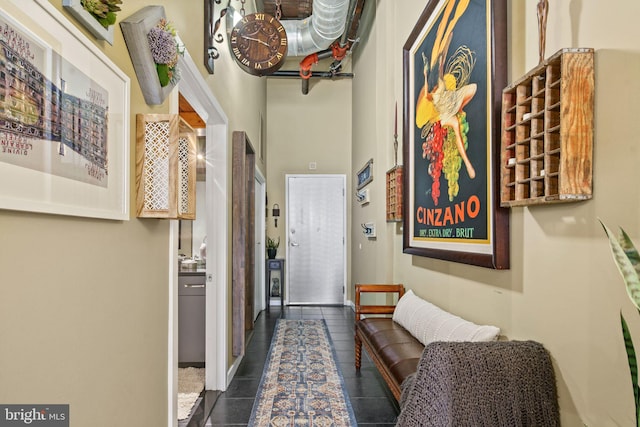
(372, 402)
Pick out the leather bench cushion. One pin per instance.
(396, 347)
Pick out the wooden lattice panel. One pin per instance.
(165, 167)
(156, 165)
(187, 150)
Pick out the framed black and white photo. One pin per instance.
(365, 175)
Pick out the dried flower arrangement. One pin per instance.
(104, 11)
(165, 49)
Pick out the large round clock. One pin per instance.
(259, 44)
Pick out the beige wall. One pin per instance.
(562, 289)
(84, 302)
(306, 128)
(373, 129)
(83, 316)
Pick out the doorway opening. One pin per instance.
(196, 92)
(192, 253)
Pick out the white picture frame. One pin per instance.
(53, 169)
(362, 196)
(90, 23)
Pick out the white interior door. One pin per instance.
(316, 229)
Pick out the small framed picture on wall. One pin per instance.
(365, 175)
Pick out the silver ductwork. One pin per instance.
(318, 31)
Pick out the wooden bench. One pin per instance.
(394, 351)
(501, 383)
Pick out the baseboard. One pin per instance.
(350, 303)
(233, 369)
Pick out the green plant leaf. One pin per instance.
(111, 18)
(103, 21)
(629, 249)
(628, 262)
(633, 365)
(163, 74)
(273, 243)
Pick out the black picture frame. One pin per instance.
(454, 70)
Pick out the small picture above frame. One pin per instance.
(362, 196)
(365, 175)
(75, 8)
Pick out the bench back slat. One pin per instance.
(377, 288)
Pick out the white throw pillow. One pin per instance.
(429, 323)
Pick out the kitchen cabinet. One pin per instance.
(191, 319)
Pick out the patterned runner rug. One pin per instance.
(301, 384)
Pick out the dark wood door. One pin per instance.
(243, 239)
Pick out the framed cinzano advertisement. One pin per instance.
(454, 65)
(64, 117)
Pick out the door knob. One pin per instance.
(295, 244)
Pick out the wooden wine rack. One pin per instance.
(547, 132)
(394, 194)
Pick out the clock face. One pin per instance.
(259, 44)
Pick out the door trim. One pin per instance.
(196, 91)
(344, 227)
(260, 227)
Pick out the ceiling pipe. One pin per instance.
(314, 74)
(318, 31)
(310, 60)
(316, 37)
(349, 22)
(339, 48)
(305, 67)
(337, 52)
(349, 36)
